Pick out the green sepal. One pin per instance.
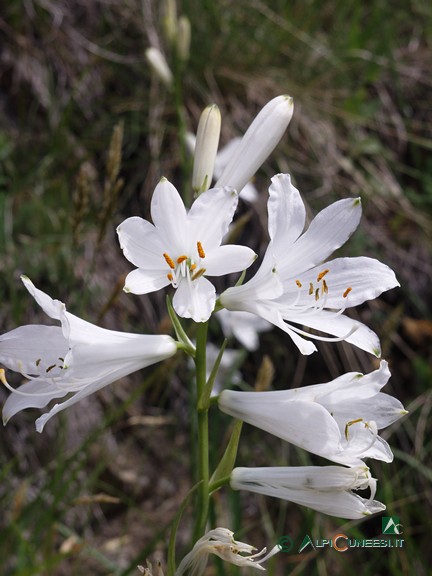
(227, 462)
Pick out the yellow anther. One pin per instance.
(322, 274)
(169, 260)
(347, 291)
(198, 273)
(299, 284)
(317, 294)
(200, 250)
(181, 259)
(324, 287)
(311, 289)
(350, 423)
(170, 277)
(3, 377)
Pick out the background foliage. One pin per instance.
(96, 492)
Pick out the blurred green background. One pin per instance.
(86, 131)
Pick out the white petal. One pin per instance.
(210, 216)
(169, 216)
(195, 299)
(329, 230)
(53, 308)
(286, 213)
(141, 244)
(228, 259)
(32, 349)
(38, 394)
(142, 282)
(366, 277)
(305, 424)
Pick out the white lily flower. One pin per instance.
(78, 358)
(295, 286)
(327, 489)
(338, 420)
(248, 193)
(244, 326)
(220, 542)
(259, 141)
(181, 248)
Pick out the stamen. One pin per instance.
(181, 259)
(350, 423)
(50, 368)
(198, 274)
(322, 274)
(169, 260)
(38, 361)
(192, 267)
(324, 288)
(170, 277)
(200, 250)
(317, 294)
(311, 289)
(299, 284)
(347, 291)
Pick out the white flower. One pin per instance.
(338, 420)
(295, 286)
(249, 193)
(220, 542)
(258, 143)
(327, 489)
(181, 248)
(78, 358)
(244, 326)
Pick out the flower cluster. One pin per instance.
(297, 288)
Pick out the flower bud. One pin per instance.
(258, 143)
(183, 38)
(206, 148)
(159, 65)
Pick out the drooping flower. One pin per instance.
(295, 286)
(338, 420)
(77, 358)
(220, 542)
(327, 489)
(181, 248)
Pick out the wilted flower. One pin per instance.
(220, 542)
(295, 286)
(327, 489)
(78, 358)
(338, 420)
(181, 248)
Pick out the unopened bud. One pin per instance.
(258, 143)
(206, 148)
(159, 65)
(183, 38)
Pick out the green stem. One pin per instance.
(203, 440)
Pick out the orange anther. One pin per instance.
(299, 284)
(170, 277)
(169, 260)
(200, 250)
(347, 291)
(322, 274)
(181, 259)
(192, 267)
